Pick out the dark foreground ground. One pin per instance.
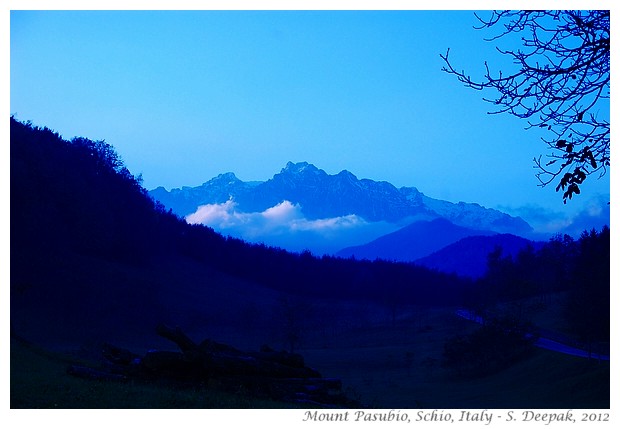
(389, 366)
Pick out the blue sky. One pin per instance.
(186, 95)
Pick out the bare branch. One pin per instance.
(561, 84)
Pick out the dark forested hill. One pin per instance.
(469, 256)
(91, 251)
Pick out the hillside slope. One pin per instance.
(93, 258)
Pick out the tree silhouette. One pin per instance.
(588, 305)
(560, 84)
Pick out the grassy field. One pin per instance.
(39, 380)
(382, 365)
(400, 367)
(381, 378)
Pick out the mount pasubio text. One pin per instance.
(453, 416)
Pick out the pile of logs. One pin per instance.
(266, 373)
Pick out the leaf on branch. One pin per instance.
(572, 189)
(592, 160)
(578, 176)
(564, 181)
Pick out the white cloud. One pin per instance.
(327, 225)
(284, 225)
(222, 215)
(283, 212)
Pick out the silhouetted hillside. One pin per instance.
(86, 240)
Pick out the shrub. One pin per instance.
(493, 347)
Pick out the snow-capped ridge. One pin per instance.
(322, 195)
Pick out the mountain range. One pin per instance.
(323, 196)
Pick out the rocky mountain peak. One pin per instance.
(225, 178)
(345, 174)
(300, 168)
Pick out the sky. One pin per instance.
(186, 95)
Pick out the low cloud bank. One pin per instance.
(285, 225)
(594, 214)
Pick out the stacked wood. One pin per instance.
(94, 374)
(276, 374)
(223, 360)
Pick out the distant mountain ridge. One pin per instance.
(321, 196)
(469, 256)
(412, 242)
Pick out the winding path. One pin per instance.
(544, 343)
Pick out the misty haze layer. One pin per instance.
(285, 226)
